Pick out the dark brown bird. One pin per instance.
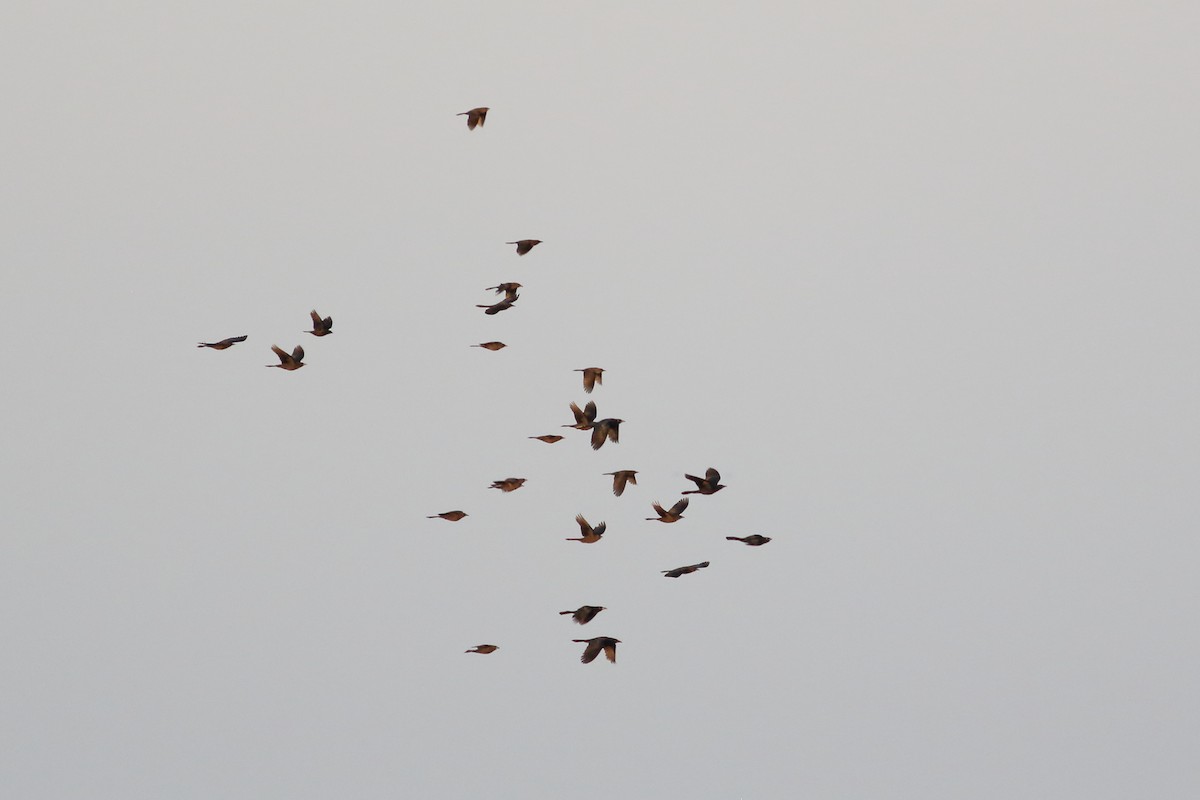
(483, 649)
(584, 614)
(525, 245)
(508, 484)
(675, 573)
(491, 345)
(606, 430)
(592, 376)
(289, 362)
(224, 344)
(620, 478)
(590, 535)
(476, 116)
(321, 327)
(452, 516)
(706, 485)
(674, 515)
(594, 646)
(583, 418)
(549, 438)
(753, 541)
(503, 305)
(509, 289)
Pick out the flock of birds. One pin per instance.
(601, 431)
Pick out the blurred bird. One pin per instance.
(584, 418)
(321, 327)
(224, 344)
(594, 646)
(753, 541)
(591, 376)
(508, 484)
(525, 245)
(706, 485)
(289, 362)
(491, 345)
(584, 614)
(549, 438)
(483, 649)
(590, 535)
(476, 116)
(509, 289)
(606, 430)
(675, 573)
(674, 515)
(620, 478)
(503, 305)
(452, 516)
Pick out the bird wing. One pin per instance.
(283, 356)
(584, 527)
(618, 483)
(679, 506)
(599, 434)
(662, 512)
(316, 319)
(698, 481)
(327, 323)
(589, 380)
(298, 353)
(591, 651)
(614, 432)
(610, 651)
(713, 476)
(589, 411)
(600, 529)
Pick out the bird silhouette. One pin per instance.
(224, 344)
(674, 515)
(675, 573)
(584, 614)
(606, 430)
(590, 535)
(583, 418)
(594, 646)
(483, 649)
(706, 485)
(508, 484)
(509, 289)
(289, 362)
(622, 477)
(549, 438)
(476, 116)
(491, 345)
(591, 376)
(754, 540)
(451, 516)
(525, 245)
(321, 327)
(503, 305)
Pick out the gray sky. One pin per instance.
(919, 279)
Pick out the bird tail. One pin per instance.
(735, 538)
(566, 612)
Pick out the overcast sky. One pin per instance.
(919, 279)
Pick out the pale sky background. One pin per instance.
(919, 278)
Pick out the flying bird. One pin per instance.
(476, 116)
(675, 573)
(525, 245)
(509, 289)
(590, 535)
(321, 327)
(452, 516)
(706, 485)
(583, 418)
(491, 345)
(503, 305)
(289, 362)
(224, 344)
(508, 484)
(594, 646)
(620, 478)
(606, 430)
(591, 376)
(549, 438)
(584, 614)
(753, 541)
(674, 515)
(483, 649)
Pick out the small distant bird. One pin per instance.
(503, 305)
(753, 541)
(706, 485)
(321, 327)
(491, 345)
(508, 484)
(509, 289)
(224, 344)
(289, 362)
(674, 515)
(620, 478)
(476, 116)
(483, 649)
(591, 376)
(675, 573)
(590, 535)
(452, 516)
(606, 430)
(525, 245)
(549, 438)
(583, 418)
(584, 614)
(594, 646)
